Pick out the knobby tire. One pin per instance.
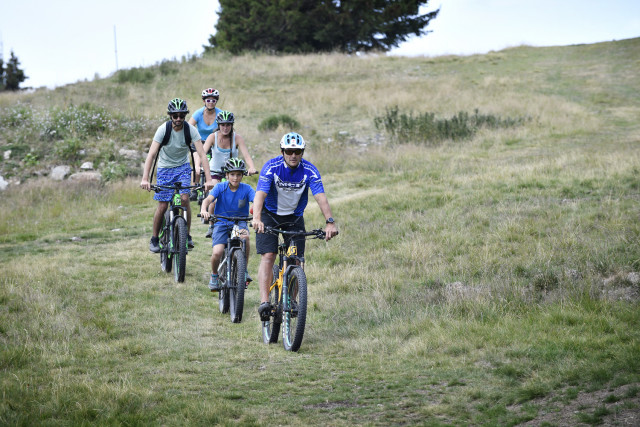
(236, 287)
(180, 257)
(292, 324)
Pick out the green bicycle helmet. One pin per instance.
(225, 117)
(177, 105)
(234, 164)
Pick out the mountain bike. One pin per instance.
(174, 233)
(288, 291)
(232, 269)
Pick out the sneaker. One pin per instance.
(264, 310)
(209, 232)
(189, 241)
(193, 196)
(154, 244)
(214, 283)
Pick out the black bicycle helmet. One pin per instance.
(235, 164)
(177, 105)
(225, 117)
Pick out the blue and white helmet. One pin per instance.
(292, 140)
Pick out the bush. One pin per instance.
(272, 122)
(426, 128)
(135, 75)
(68, 149)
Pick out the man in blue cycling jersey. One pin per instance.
(280, 200)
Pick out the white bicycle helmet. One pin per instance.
(210, 92)
(292, 140)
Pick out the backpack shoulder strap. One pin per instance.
(167, 133)
(187, 140)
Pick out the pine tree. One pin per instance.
(1, 75)
(317, 26)
(13, 75)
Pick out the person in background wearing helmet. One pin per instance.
(204, 119)
(232, 198)
(174, 165)
(281, 197)
(225, 144)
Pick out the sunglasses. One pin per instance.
(177, 116)
(290, 152)
(211, 100)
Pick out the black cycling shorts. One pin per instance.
(268, 243)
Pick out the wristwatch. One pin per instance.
(331, 220)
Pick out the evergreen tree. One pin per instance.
(13, 75)
(317, 26)
(1, 74)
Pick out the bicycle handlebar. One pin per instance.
(176, 186)
(213, 218)
(317, 233)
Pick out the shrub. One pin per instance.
(272, 122)
(68, 149)
(426, 128)
(135, 75)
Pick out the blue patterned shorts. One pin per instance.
(169, 176)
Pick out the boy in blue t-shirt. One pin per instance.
(232, 198)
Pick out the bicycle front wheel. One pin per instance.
(236, 287)
(295, 314)
(180, 233)
(271, 327)
(165, 254)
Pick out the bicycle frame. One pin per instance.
(287, 259)
(234, 243)
(288, 287)
(232, 268)
(175, 210)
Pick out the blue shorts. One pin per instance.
(169, 176)
(221, 232)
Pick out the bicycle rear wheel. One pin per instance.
(271, 327)
(236, 287)
(223, 293)
(165, 254)
(294, 318)
(180, 233)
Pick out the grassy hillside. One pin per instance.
(489, 280)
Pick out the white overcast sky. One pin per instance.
(61, 42)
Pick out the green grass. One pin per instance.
(475, 282)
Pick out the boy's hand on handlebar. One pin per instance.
(252, 171)
(208, 185)
(331, 230)
(145, 185)
(205, 215)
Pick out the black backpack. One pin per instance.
(187, 141)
